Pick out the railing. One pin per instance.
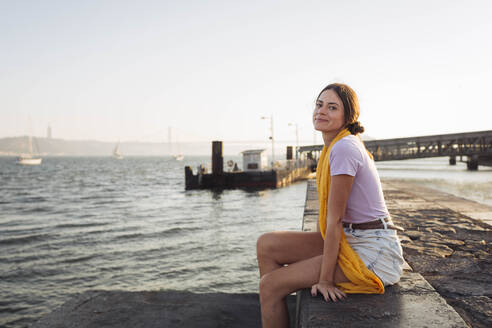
(461, 144)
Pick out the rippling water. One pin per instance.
(78, 223)
(436, 173)
(74, 224)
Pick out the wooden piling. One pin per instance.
(217, 158)
(289, 152)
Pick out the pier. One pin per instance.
(280, 175)
(474, 148)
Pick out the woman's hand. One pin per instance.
(328, 290)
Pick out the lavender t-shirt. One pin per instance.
(366, 200)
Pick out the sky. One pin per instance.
(129, 70)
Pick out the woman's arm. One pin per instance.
(340, 188)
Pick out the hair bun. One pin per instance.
(355, 128)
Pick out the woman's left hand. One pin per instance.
(328, 290)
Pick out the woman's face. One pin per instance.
(328, 113)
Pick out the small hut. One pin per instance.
(254, 160)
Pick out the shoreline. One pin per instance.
(454, 188)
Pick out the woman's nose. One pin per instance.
(321, 110)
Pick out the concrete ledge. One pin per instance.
(411, 303)
(152, 309)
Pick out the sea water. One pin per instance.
(79, 223)
(436, 173)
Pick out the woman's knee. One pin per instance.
(265, 244)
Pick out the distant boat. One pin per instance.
(116, 152)
(31, 158)
(178, 157)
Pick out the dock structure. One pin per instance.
(474, 148)
(275, 177)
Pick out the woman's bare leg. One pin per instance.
(275, 249)
(277, 284)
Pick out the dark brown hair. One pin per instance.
(350, 106)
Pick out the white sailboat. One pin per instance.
(178, 156)
(116, 152)
(31, 158)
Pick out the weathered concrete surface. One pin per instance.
(447, 240)
(156, 309)
(410, 303)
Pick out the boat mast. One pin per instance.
(169, 141)
(30, 145)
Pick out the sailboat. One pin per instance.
(116, 152)
(178, 156)
(31, 158)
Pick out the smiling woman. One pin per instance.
(356, 249)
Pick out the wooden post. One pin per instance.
(472, 163)
(190, 180)
(217, 159)
(289, 152)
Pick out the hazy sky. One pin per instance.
(128, 70)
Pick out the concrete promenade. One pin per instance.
(447, 247)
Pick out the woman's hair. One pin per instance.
(350, 106)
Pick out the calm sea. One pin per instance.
(436, 173)
(79, 223)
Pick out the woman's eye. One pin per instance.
(318, 105)
(332, 107)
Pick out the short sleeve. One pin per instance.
(345, 158)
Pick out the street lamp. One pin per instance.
(297, 137)
(271, 136)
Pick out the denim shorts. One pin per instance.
(380, 250)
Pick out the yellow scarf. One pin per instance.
(362, 280)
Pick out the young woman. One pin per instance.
(356, 249)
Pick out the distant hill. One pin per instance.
(60, 147)
(14, 146)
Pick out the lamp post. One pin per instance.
(297, 138)
(271, 136)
